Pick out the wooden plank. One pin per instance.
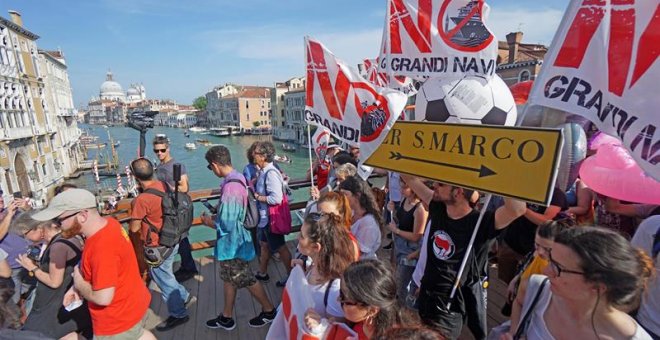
(188, 329)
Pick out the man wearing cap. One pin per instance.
(165, 173)
(107, 276)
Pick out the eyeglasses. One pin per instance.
(160, 150)
(557, 269)
(315, 216)
(209, 166)
(59, 220)
(342, 300)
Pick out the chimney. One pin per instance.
(513, 39)
(16, 18)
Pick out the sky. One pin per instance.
(182, 49)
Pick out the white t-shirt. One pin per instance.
(394, 187)
(538, 330)
(649, 310)
(367, 233)
(318, 294)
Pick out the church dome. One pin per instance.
(110, 89)
(133, 92)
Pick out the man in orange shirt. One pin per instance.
(146, 210)
(107, 276)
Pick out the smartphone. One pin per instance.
(208, 206)
(18, 194)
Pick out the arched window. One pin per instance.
(524, 75)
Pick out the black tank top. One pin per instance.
(406, 218)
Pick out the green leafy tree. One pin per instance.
(256, 124)
(200, 103)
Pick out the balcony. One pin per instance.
(18, 132)
(67, 113)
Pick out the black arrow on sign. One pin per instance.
(483, 170)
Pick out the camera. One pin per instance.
(34, 253)
(142, 121)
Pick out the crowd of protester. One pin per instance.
(571, 268)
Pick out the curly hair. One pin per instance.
(265, 148)
(341, 201)
(360, 188)
(336, 246)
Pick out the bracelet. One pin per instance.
(33, 271)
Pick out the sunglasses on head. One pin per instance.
(160, 150)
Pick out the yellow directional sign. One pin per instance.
(517, 162)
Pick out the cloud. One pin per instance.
(538, 25)
(285, 44)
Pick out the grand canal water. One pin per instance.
(199, 176)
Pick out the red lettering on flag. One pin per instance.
(420, 33)
(334, 97)
(648, 47)
(620, 45)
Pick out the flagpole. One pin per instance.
(388, 45)
(309, 133)
(467, 251)
(309, 151)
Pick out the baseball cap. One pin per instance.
(72, 199)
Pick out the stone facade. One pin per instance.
(518, 61)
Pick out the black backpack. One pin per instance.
(252, 209)
(177, 216)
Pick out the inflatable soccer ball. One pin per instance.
(469, 100)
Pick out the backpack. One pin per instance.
(177, 216)
(251, 219)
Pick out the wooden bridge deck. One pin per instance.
(208, 288)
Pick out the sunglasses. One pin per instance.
(59, 220)
(342, 300)
(557, 269)
(160, 150)
(209, 166)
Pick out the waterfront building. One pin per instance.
(59, 108)
(280, 129)
(213, 116)
(294, 112)
(247, 109)
(136, 93)
(518, 61)
(29, 158)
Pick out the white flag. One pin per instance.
(603, 65)
(438, 38)
(351, 108)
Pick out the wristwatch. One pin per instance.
(33, 271)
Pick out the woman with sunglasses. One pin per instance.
(53, 273)
(367, 219)
(368, 298)
(595, 275)
(324, 239)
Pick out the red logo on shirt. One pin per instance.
(443, 246)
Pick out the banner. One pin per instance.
(444, 38)
(339, 99)
(603, 65)
(369, 70)
(289, 322)
(320, 142)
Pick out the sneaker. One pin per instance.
(221, 322)
(184, 275)
(388, 247)
(171, 323)
(263, 319)
(281, 283)
(262, 277)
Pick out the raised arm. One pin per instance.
(417, 185)
(511, 210)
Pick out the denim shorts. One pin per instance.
(275, 242)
